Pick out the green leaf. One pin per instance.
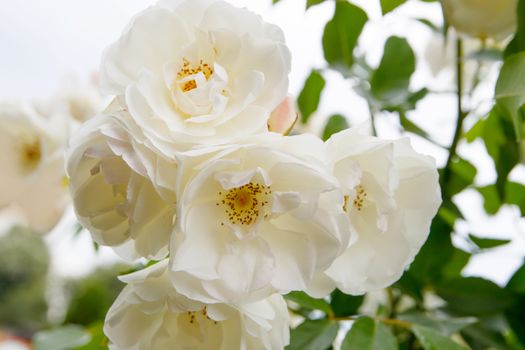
(515, 194)
(389, 5)
(517, 43)
(516, 319)
(491, 199)
(475, 131)
(481, 338)
(488, 243)
(391, 79)
(456, 264)
(308, 302)
(310, 96)
(517, 281)
(410, 126)
(499, 139)
(444, 325)
(341, 34)
(335, 123)
(310, 3)
(62, 338)
(474, 296)
(428, 265)
(313, 335)
(98, 339)
(463, 174)
(432, 340)
(510, 91)
(345, 305)
(366, 334)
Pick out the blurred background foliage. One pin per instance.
(433, 306)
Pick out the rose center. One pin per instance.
(243, 205)
(30, 154)
(194, 317)
(359, 199)
(188, 69)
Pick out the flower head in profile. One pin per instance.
(150, 314)
(198, 71)
(123, 193)
(31, 152)
(391, 196)
(482, 18)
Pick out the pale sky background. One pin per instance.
(43, 44)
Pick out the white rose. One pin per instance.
(255, 218)
(150, 314)
(198, 71)
(482, 18)
(390, 205)
(123, 193)
(31, 153)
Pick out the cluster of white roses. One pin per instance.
(183, 168)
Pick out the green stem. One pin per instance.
(388, 321)
(372, 119)
(461, 114)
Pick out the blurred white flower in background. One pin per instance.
(31, 152)
(482, 18)
(198, 72)
(150, 314)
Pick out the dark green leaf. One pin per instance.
(432, 340)
(310, 3)
(487, 243)
(428, 265)
(334, 124)
(517, 281)
(62, 338)
(481, 338)
(389, 5)
(310, 96)
(313, 335)
(308, 302)
(345, 305)
(510, 91)
(517, 43)
(410, 285)
(391, 80)
(474, 296)
(456, 264)
(366, 334)
(341, 34)
(444, 325)
(516, 319)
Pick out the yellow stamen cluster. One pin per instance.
(187, 70)
(31, 154)
(243, 205)
(193, 316)
(360, 197)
